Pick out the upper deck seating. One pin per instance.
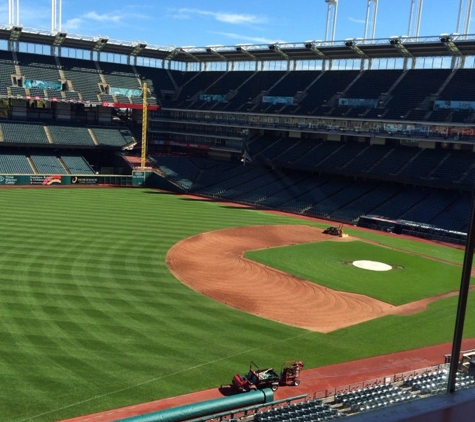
(84, 76)
(413, 88)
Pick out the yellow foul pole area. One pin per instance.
(144, 126)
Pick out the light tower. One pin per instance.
(331, 20)
(371, 16)
(463, 21)
(13, 13)
(415, 18)
(56, 15)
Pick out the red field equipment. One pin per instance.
(258, 378)
(290, 372)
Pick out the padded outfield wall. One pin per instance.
(65, 180)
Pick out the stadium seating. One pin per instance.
(7, 69)
(76, 164)
(70, 135)
(24, 133)
(405, 98)
(38, 67)
(340, 179)
(323, 90)
(84, 78)
(112, 136)
(47, 164)
(15, 164)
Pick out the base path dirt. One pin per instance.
(213, 264)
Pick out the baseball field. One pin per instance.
(110, 297)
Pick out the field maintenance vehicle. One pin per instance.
(258, 378)
(334, 231)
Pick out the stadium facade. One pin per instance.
(373, 132)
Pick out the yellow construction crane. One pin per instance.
(143, 156)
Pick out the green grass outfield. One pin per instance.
(91, 318)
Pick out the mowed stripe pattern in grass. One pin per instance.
(91, 318)
(88, 307)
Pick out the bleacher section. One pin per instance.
(401, 94)
(76, 164)
(47, 164)
(84, 79)
(31, 133)
(326, 196)
(354, 401)
(7, 69)
(15, 164)
(404, 97)
(70, 135)
(23, 133)
(43, 68)
(43, 163)
(112, 137)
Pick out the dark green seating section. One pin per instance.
(43, 163)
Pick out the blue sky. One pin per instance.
(230, 22)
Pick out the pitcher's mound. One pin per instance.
(372, 265)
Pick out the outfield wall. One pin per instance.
(70, 179)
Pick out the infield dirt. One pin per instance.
(213, 264)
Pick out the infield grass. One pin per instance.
(91, 318)
(330, 264)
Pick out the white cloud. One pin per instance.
(106, 17)
(122, 17)
(232, 18)
(254, 40)
(357, 20)
(72, 24)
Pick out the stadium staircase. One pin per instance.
(32, 165)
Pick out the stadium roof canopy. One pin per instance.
(392, 47)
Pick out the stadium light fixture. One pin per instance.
(212, 49)
(242, 48)
(173, 54)
(398, 43)
(448, 41)
(100, 43)
(138, 47)
(445, 38)
(15, 32)
(275, 47)
(312, 45)
(59, 38)
(394, 40)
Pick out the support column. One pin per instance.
(415, 18)
(463, 21)
(56, 15)
(371, 16)
(332, 13)
(13, 12)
